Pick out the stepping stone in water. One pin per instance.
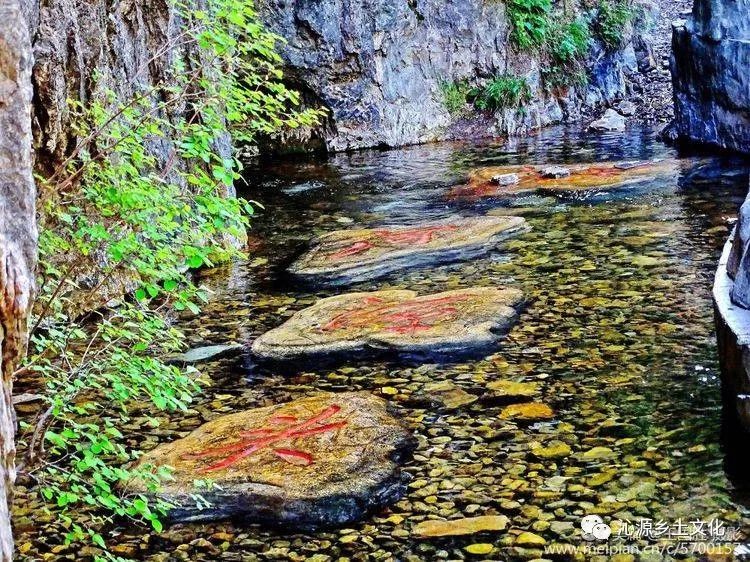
(394, 321)
(328, 459)
(349, 256)
(569, 178)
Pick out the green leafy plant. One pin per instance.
(611, 21)
(128, 216)
(454, 96)
(568, 46)
(502, 92)
(531, 22)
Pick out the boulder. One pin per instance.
(348, 256)
(711, 55)
(610, 121)
(327, 459)
(397, 321)
(627, 108)
(557, 179)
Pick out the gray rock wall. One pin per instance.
(82, 49)
(377, 65)
(711, 75)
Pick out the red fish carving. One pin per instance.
(404, 237)
(255, 440)
(399, 317)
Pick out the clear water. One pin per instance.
(618, 334)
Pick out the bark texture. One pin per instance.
(18, 234)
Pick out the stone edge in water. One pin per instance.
(385, 264)
(306, 513)
(484, 337)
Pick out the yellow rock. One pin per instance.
(479, 548)
(530, 539)
(601, 478)
(527, 411)
(598, 453)
(465, 526)
(389, 391)
(555, 450)
(512, 388)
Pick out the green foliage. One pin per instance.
(564, 43)
(568, 46)
(569, 42)
(454, 95)
(612, 19)
(502, 92)
(129, 215)
(531, 22)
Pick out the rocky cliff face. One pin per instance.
(710, 63)
(378, 65)
(83, 49)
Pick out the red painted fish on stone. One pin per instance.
(256, 440)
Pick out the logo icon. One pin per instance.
(594, 528)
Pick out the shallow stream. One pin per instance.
(618, 333)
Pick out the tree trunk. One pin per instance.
(18, 236)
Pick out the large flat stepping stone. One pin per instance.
(394, 321)
(501, 181)
(327, 459)
(349, 256)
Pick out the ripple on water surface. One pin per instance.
(617, 340)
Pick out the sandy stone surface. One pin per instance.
(347, 256)
(327, 459)
(483, 182)
(395, 321)
(456, 527)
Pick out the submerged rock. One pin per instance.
(610, 121)
(507, 392)
(394, 321)
(456, 527)
(347, 256)
(579, 177)
(207, 353)
(527, 411)
(448, 396)
(327, 459)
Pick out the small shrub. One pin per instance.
(569, 43)
(611, 22)
(455, 96)
(567, 47)
(531, 22)
(502, 92)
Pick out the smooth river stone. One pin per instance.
(458, 527)
(349, 256)
(582, 177)
(328, 459)
(397, 321)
